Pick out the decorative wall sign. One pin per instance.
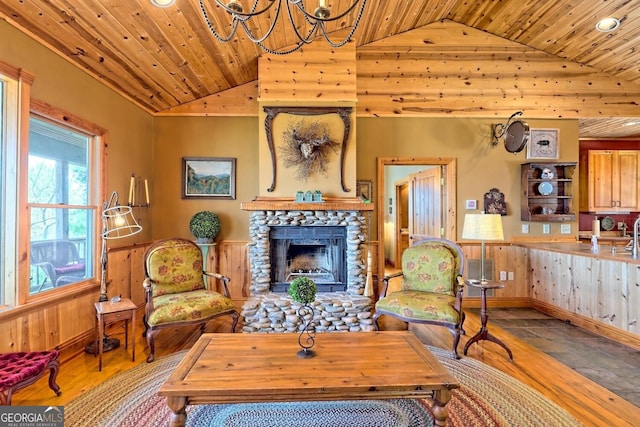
(311, 134)
(543, 144)
(208, 178)
(494, 202)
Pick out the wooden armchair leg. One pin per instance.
(456, 340)
(236, 317)
(152, 348)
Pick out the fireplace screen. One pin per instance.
(315, 252)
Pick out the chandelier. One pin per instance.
(304, 24)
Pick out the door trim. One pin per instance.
(450, 196)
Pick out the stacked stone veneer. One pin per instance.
(266, 311)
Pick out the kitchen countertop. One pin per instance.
(583, 249)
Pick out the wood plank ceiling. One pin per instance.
(162, 58)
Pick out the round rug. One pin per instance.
(487, 397)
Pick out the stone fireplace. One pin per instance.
(310, 89)
(325, 241)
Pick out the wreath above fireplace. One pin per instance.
(319, 151)
(307, 147)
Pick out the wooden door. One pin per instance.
(402, 219)
(425, 202)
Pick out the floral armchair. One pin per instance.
(176, 293)
(432, 285)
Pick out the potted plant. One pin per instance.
(204, 225)
(303, 290)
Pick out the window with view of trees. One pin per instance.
(62, 219)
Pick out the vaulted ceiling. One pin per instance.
(163, 58)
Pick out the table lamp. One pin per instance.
(482, 227)
(117, 222)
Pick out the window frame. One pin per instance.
(17, 88)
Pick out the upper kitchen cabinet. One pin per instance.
(609, 180)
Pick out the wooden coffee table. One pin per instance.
(236, 368)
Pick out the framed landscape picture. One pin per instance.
(208, 177)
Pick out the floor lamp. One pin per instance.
(117, 222)
(482, 227)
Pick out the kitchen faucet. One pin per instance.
(634, 249)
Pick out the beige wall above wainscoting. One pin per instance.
(178, 137)
(480, 165)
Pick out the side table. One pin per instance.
(483, 333)
(109, 312)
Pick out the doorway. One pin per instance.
(434, 185)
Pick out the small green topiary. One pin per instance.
(205, 225)
(303, 290)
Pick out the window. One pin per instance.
(59, 186)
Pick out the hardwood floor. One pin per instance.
(588, 402)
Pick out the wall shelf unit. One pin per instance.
(547, 191)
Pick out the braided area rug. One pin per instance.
(487, 397)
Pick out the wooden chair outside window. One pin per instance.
(59, 260)
(432, 285)
(176, 293)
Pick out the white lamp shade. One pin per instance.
(482, 227)
(119, 222)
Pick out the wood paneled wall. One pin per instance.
(597, 295)
(508, 258)
(67, 321)
(317, 73)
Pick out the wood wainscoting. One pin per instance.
(67, 322)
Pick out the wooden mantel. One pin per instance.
(289, 204)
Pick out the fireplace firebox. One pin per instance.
(312, 251)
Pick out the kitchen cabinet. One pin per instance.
(547, 191)
(609, 180)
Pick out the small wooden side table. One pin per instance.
(109, 312)
(483, 333)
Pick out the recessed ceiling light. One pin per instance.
(607, 24)
(162, 3)
(631, 123)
